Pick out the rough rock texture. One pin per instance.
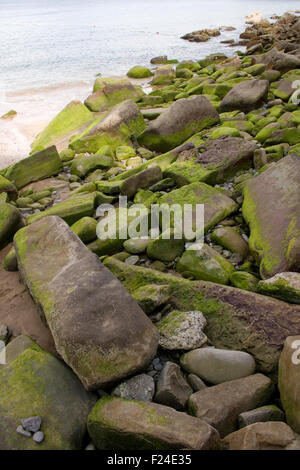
(271, 208)
(245, 96)
(221, 404)
(147, 426)
(98, 329)
(38, 384)
(36, 167)
(182, 330)
(172, 389)
(140, 387)
(289, 381)
(262, 436)
(182, 119)
(218, 365)
(236, 319)
(284, 286)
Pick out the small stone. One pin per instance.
(32, 424)
(90, 446)
(172, 388)
(259, 415)
(4, 332)
(38, 437)
(195, 382)
(141, 388)
(23, 432)
(132, 260)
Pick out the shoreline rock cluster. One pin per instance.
(158, 346)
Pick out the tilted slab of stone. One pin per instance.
(116, 423)
(98, 329)
(182, 119)
(38, 166)
(236, 319)
(284, 286)
(38, 384)
(271, 208)
(221, 404)
(108, 92)
(122, 122)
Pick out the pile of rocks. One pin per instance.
(159, 343)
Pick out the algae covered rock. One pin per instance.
(284, 286)
(182, 330)
(205, 264)
(71, 119)
(163, 75)
(8, 187)
(152, 297)
(166, 247)
(244, 280)
(218, 365)
(98, 329)
(254, 323)
(10, 261)
(270, 207)
(111, 91)
(180, 121)
(85, 229)
(83, 165)
(38, 166)
(10, 222)
(141, 180)
(70, 210)
(149, 426)
(38, 384)
(245, 96)
(138, 71)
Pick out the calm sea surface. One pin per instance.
(44, 42)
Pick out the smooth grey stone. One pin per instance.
(195, 382)
(262, 414)
(32, 424)
(38, 437)
(23, 432)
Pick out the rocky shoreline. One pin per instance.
(132, 343)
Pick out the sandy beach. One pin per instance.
(35, 108)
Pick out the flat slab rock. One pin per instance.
(98, 329)
(118, 424)
(271, 208)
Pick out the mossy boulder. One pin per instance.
(141, 180)
(85, 229)
(163, 75)
(124, 152)
(180, 121)
(247, 95)
(38, 384)
(152, 297)
(223, 130)
(98, 329)
(70, 210)
(10, 262)
(229, 238)
(109, 92)
(217, 206)
(138, 71)
(10, 222)
(116, 128)
(38, 166)
(205, 264)
(244, 280)
(149, 426)
(73, 118)
(166, 247)
(84, 165)
(270, 208)
(284, 286)
(254, 323)
(8, 187)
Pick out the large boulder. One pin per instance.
(38, 166)
(74, 117)
(98, 329)
(271, 208)
(245, 96)
(236, 319)
(221, 404)
(122, 122)
(10, 222)
(284, 286)
(278, 60)
(289, 381)
(108, 92)
(182, 119)
(215, 161)
(38, 384)
(147, 426)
